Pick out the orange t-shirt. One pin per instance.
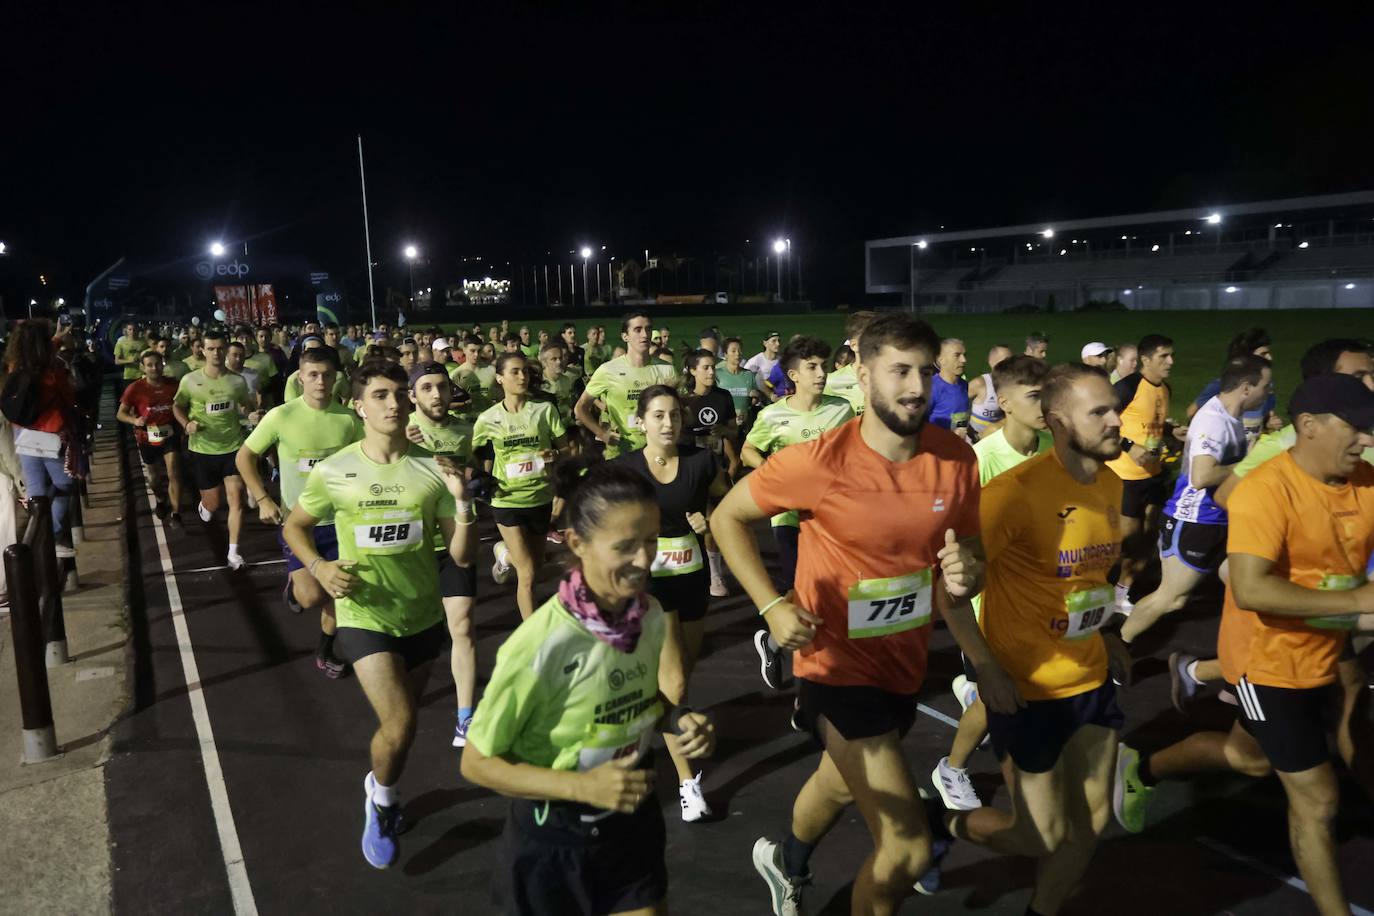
(1144, 408)
(1050, 542)
(1314, 534)
(870, 532)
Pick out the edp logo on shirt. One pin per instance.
(619, 677)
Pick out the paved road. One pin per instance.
(288, 754)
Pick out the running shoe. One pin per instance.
(1182, 685)
(694, 806)
(965, 692)
(954, 787)
(1228, 697)
(460, 733)
(379, 829)
(288, 595)
(770, 661)
(794, 720)
(1130, 796)
(163, 508)
(331, 667)
(204, 513)
(554, 536)
(234, 561)
(929, 883)
(785, 892)
(501, 570)
(719, 588)
(64, 552)
(175, 521)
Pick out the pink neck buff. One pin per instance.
(623, 634)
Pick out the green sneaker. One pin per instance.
(1130, 796)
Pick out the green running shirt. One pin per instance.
(130, 348)
(779, 425)
(343, 388)
(386, 516)
(304, 437)
(562, 699)
(213, 404)
(738, 384)
(516, 440)
(619, 384)
(844, 383)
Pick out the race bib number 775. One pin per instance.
(880, 607)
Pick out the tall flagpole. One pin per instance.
(367, 236)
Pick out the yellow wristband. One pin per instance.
(769, 606)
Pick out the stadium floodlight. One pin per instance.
(1214, 218)
(217, 249)
(586, 251)
(922, 244)
(1125, 292)
(779, 246)
(1302, 244)
(1350, 286)
(1063, 251)
(1154, 247)
(1047, 233)
(412, 252)
(1233, 289)
(2, 248)
(61, 301)
(1278, 225)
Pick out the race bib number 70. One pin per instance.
(881, 607)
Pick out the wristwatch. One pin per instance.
(1126, 444)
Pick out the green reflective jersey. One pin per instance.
(562, 699)
(517, 439)
(531, 351)
(262, 364)
(619, 385)
(343, 388)
(779, 425)
(562, 390)
(130, 348)
(174, 368)
(193, 362)
(738, 384)
(996, 456)
(594, 357)
(452, 438)
(480, 384)
(844, 383)
(385, 516)
(304, 437)
(213, 404)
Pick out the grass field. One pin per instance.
(1199, 337)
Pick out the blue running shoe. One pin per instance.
(929, 883)
(460, 732)
(379, 831)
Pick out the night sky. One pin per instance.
(508, 133)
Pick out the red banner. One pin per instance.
(248, 304)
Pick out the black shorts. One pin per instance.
(1201, 548)
(534, 520)
(550, 861)
(687, 594)
(1035, 735)
(455, 581)
(855, 712)
(1290, 724)
(970, 673)
(153, 454)
(326, 545)
(353, 643)
(209, 471)
(1137, 494)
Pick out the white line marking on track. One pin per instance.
(1257, 865)
(937, 715)
(239, 887)
(187, 572)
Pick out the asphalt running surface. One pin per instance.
(236, 784)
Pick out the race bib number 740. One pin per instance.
(880, 607)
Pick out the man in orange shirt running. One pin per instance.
(889, 523)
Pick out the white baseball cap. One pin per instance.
(1096, 348)
(440, 343)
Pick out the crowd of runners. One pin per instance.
(1021, 507)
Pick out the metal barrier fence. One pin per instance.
(36, 580)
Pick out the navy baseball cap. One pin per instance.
(426, 368)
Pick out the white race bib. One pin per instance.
(214, 407)
(158, 434)
(676, 556)
(524, 466)
(394, 530)
(1088, 610)
(880, 607)
(306, 465)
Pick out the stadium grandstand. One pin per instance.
(1302, 252)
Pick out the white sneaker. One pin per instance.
(785, 893)
(954, 787)
(694, 806)
(64, 552)
(501, 570)
(204, 513)
(965, 692)
(718, 588)
(235, 561)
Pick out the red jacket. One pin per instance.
(56, 396)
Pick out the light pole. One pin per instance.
(586, 290)
(411, 254)
(780, 248)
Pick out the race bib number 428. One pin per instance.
(388, 534)
(880, 607)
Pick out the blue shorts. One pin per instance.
(1035, 736)
(326, 542)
